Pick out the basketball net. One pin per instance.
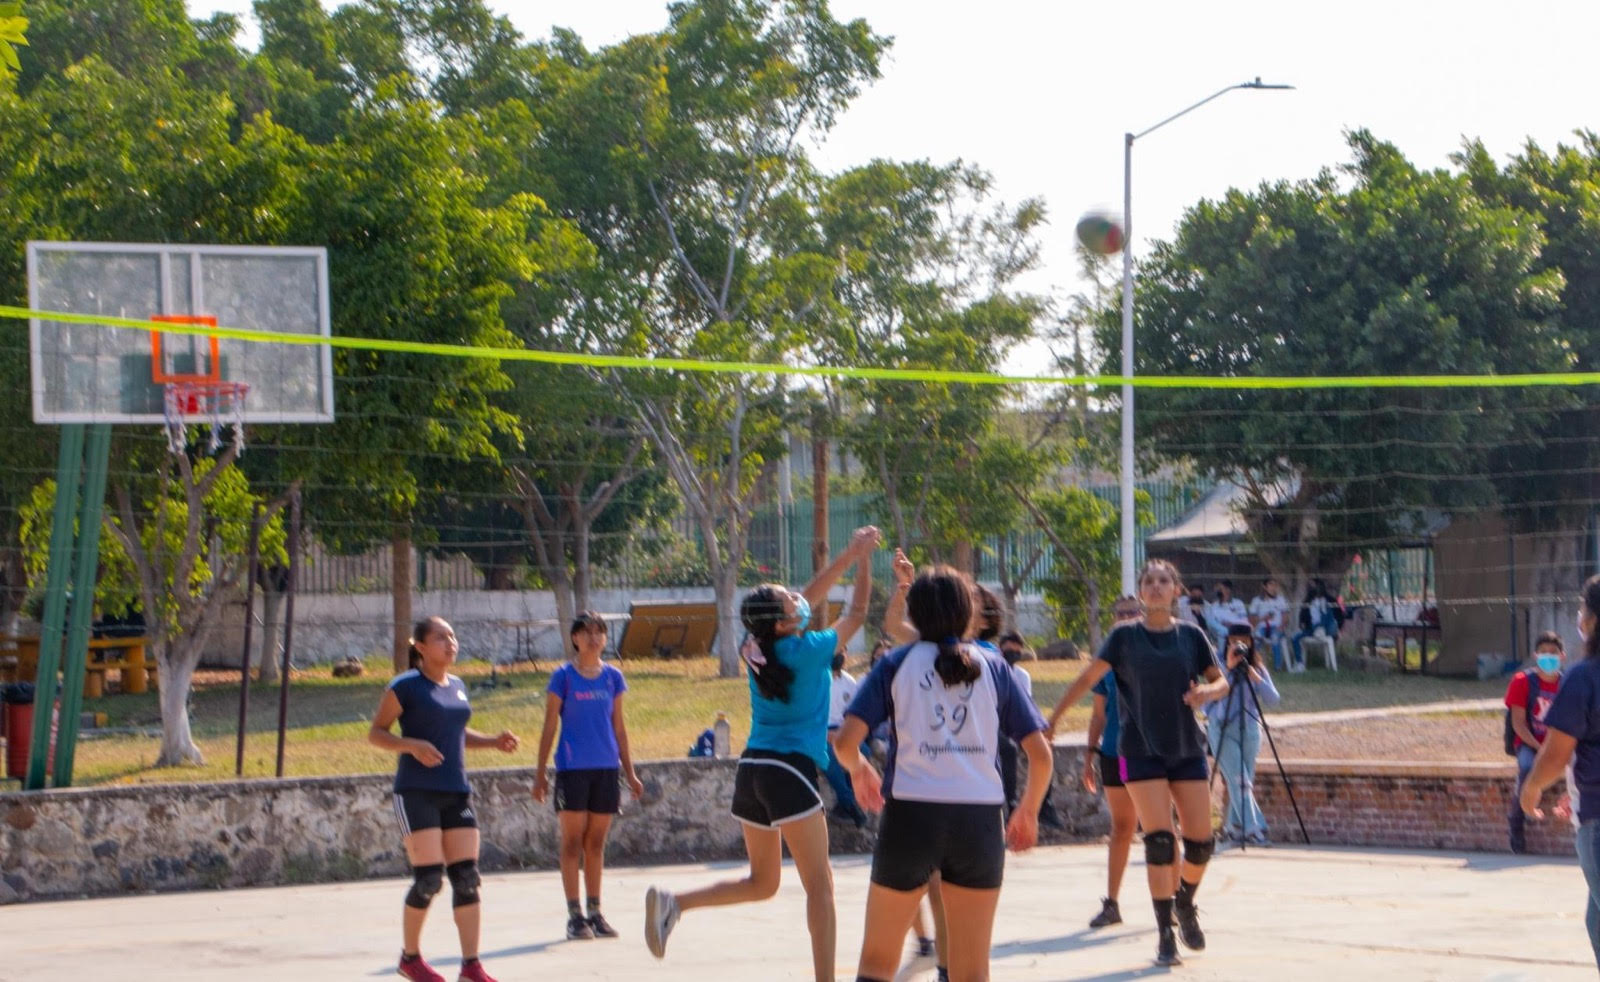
(215, 402)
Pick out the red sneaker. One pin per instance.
(417, 970)
(473, 972)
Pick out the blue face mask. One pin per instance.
(1548, 664)
(802, 611)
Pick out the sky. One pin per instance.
(1040, 92)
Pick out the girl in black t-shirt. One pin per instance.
(1164, 671)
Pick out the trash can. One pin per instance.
(16, 699)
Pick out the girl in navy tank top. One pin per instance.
(432, 798)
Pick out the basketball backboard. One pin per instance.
(86, 373)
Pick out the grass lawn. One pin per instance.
(669, 703)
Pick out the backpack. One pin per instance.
(1533, 702)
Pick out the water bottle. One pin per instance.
(724, 736)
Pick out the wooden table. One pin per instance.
(126, 656)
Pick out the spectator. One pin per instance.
(1225, 611)
(1015, 650)
(1269, 613)
(1318, 618)
(1234, 730)
(1191, 607)
(844, 690)
(1528, 701)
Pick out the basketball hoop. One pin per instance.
(218, 403)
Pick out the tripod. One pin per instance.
(1239, 682)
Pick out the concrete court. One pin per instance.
(1283, 913)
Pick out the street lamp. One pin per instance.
(1128, 585)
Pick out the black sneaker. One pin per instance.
(1189, 927)
(597, 923)
(578, 928)
(1167, 949)
(1109, 914)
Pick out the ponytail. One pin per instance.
(419, 634)
(940, 604)
(761, 612)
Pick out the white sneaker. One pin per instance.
(660, 917)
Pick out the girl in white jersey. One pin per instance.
(941, 796)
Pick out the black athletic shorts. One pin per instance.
(771, 788)
(1110, 770)
(418, 810)
(964, 844)
(1161, 769)
(597, 790)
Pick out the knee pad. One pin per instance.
(425, 883)
(1160, 848)
(1198, 851)
(464, 882)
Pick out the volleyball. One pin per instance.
(1101, 232)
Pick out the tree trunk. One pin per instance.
(963, 558)
(819, 501)
(175, 662)
(271, 605)
(730, 630)
(581, 573)
(401, 584)
(1091, 586)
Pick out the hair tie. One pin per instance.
(750, 651)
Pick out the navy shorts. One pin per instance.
(1161, 769)
(1110, 770)
(597, 790)
(418, 810)
(965, 844)
(771, 788)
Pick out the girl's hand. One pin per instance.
(426, 753)
(865, 539)
(1088, 773)
(868, 786)
(636, 786)
(904, 571)
(541, 786)
(1022, 831)
(507, 742)
(1195, 697)
(1563, 807)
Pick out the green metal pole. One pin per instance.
(97, 458)
(68, 469)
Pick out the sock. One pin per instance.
(594, 906)
(944, 974)
(574, 909)
(924, 945)
(411, 957)
(1186, 892)
(1163, 914)
(467, 961)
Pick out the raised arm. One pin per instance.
(895, 625)
(862, 541)
(855, 614)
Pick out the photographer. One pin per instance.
(1234, 727)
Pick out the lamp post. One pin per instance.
(1128, 585)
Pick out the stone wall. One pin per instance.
(72, 843)
(1404, 805)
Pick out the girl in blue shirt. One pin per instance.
(432, 798)
(775, 792)
(584, 699)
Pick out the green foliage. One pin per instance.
(1394, 271)
(1088, 570)
(13, 34)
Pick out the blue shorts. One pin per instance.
(1161, 769)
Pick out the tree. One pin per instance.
(1403, 271)
(175, 544)
(697, 192)
(1085, 531)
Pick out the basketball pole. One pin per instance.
(97, 458)
(1127, 466)
(69, 468)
